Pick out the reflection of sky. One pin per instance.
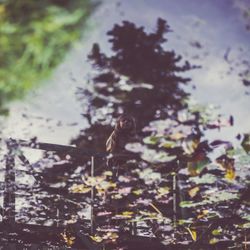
(216, 25)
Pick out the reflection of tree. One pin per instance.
(141, 77)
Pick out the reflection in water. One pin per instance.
(180, 190)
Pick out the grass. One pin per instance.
(34, 38)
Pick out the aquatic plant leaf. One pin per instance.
(96, 238)
(204, 179)
(124, 215)
(69, 240)
(189, 204)
(137, 191)
(168, 144)
(177, 136)
(162, 191)
(217, 232)
(230, 174)
(193, 192)
(221, 195)
(246, 225)
(190, 145)
(81, 188)
(149, 176)
(213, 241)
(151, 140)
(154, 156)
(193, 233)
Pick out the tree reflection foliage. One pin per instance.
(140, 78)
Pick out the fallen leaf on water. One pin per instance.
(81, 188)
(151, 140)
(124, 215)
(162, 191)
(137, 191)
(69, 240)
(203, 213)
(110, 236)
(213, 241)
(217, 231)
(193, 233)
(177, 136)
(96, 238)
(230, 174)
(204, 179)
(193, 192)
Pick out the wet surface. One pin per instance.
(195, 149)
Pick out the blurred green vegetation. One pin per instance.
(34, 36)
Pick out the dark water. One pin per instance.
(190, 183)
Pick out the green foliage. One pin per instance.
(34, 36)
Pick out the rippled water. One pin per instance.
(209, 34)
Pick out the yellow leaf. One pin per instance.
(163, 191)
(108, 173)
(203, 214)
(230, 174)
(177, 136)
(96, 238)
(137, 192)
(79, 189)
(193, 192)
(110, 236)
(69, 240)
(105, 185)
(193, 233)
(124, 215)
(213, 241)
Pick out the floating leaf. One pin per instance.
(193, 192)
(96, 238)
(124, 215)
(108, 173)
(151, 140)
(162, 191)
(168, 144)
(203, 214)
(81, 188)
(190, 144)
(246, 225)
(217, 232)
(149, 176)
(154, 156)
(177, 136)
(137, 191)
(110, 236)
(221, 195)
(204, 179)
(213, 241)
(69, 240)
(193, 233)
(230, 174)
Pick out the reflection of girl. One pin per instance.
(124, 130)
